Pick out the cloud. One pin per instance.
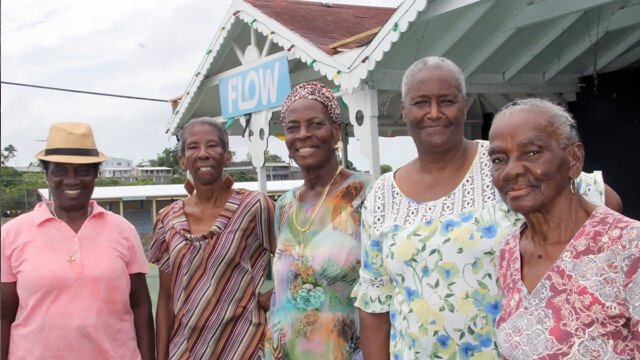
(148, 48)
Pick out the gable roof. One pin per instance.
(507, 49)
(324, 24)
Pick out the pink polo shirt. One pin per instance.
(72, 309)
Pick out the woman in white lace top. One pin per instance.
(430, 231)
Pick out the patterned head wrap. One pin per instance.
(315, 91)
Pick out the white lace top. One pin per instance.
(431, 264)
(389, 206)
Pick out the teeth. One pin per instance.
(205, 168)
(307, 150)
(71, 192)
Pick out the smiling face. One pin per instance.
(71, 185)
(434, 109)
(530, 167)
(204, 155)
(310, 135)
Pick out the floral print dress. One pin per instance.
(431, 264)
(587, 306)
(312, 314)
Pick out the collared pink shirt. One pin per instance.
(73, 289)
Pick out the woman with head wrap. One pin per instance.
(570, 274)
(73, 273)
(318, 234)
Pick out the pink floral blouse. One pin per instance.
(587, 306)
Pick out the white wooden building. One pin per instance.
(508, 49)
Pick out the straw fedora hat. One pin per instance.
(72, 143)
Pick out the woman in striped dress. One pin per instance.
(212, 249)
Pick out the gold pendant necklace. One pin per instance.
(296, 223)
(76, 249)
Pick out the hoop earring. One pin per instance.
(338, 149)
(572, 185)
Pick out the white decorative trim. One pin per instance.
(381, 43)
(365, 99)
(284, 37)
(348, 78)
(257, 145)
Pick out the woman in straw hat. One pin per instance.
(73, 274)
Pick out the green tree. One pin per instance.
(168, 158)
(268, 157)
(19, 191)
(241, 176)
(384, 168)
(8, 153)
(109, 182)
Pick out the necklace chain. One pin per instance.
(75, 255)
(315, 210)
(53, 211)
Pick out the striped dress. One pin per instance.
(215, 277)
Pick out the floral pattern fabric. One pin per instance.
(431, 264)
(312, 314)
(587, 306)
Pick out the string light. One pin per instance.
(290, 48)
(311, 62)
(337, 75)
(252, 22)
(395, 27)
(364, 60)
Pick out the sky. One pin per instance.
(146, 48)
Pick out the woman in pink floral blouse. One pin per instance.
(570, 275)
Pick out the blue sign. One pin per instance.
(262, 86)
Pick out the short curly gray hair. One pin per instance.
(432, 63)
(563, 121)
(223, 134)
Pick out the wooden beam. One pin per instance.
(551, 9)
(238, 52)
(355, 38)
(438, 8)
(487, 50)
(626, 17)
(465, 22)
(619, 49)
(541, 44)
(623, 60)
(579, 49)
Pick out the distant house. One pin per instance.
(122, 174)
(117, 163)
(275, 171)
(32, 167)
(124, 170)
(118, 169)
(159, 174)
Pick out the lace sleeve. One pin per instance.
(374, 288)
(591, 186)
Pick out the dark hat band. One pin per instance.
(71, 152)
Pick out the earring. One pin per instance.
(572, 185)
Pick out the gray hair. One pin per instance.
(223, 135)
(564, 123)
(434, 63)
